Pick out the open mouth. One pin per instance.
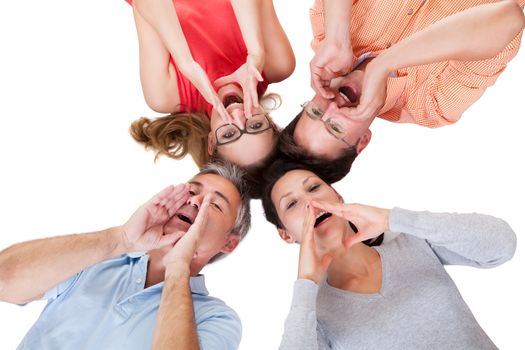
(321, 217)
(185, 218)
(348, 93)
(230, 99)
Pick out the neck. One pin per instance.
(156, 269)
(359, 262)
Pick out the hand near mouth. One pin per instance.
(247, 76)
(312, 266)
(186, 248)
(145, 228)
(370, 221)
(200, 80)
(373, 94)
(331, 60)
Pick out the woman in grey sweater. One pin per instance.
(397, 295)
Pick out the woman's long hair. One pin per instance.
(175, 135)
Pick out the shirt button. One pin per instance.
(410, 11)
(138, 281)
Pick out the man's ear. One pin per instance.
(231, 243)
(285, 236)
(363, 141)
(211, 145)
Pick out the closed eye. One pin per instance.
(217, 206)
(291, 204)
(313, 188)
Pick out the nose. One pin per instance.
(331, 110)
(196, 200)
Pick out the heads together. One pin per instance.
(321, 136)
(305, 158)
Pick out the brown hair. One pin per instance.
(175, 135)
(330, 170)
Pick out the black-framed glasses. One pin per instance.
(229, 133)
(333, 126)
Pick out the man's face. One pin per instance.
(338, 132)
(222, 213)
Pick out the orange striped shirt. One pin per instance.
(431, 95)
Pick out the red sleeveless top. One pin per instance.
(216, 43)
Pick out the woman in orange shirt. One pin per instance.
(185, 46)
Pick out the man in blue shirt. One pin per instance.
(136, 286)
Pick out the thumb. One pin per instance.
(170, 238)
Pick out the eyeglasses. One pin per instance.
(333, 126)
(229, 133)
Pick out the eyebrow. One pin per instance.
(289, 193)
(219, 194)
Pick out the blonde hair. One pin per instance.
(175, 135)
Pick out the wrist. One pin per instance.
(177, 270)
(385, 62)
(257, 58)
(316, 278)
(117, 243)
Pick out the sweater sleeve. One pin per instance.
(301, 331)
(459, 239)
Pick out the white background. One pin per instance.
(69, 88)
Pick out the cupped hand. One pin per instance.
(145, 228)
(373, 94)
(370, 221)
(186, 248)
(330, 61)
(247, 76)
(312, 264)
(200, 80)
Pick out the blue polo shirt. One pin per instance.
(106, 307)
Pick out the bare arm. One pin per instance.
(280, 59)
(31, 268)
(176, 326)
(176, 321)
(248, 14)
(458, 37)
(334, 57)
(162, 16)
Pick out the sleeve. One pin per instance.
(301, 331)
(439, 95)
(220, 330)
(61, 288)
(459, 239)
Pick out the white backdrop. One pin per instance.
(69, 88)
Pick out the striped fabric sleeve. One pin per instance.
(451, 87)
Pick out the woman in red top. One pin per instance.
(185, 45)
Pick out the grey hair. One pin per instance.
(235, 175)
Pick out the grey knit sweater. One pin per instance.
(418, 306)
